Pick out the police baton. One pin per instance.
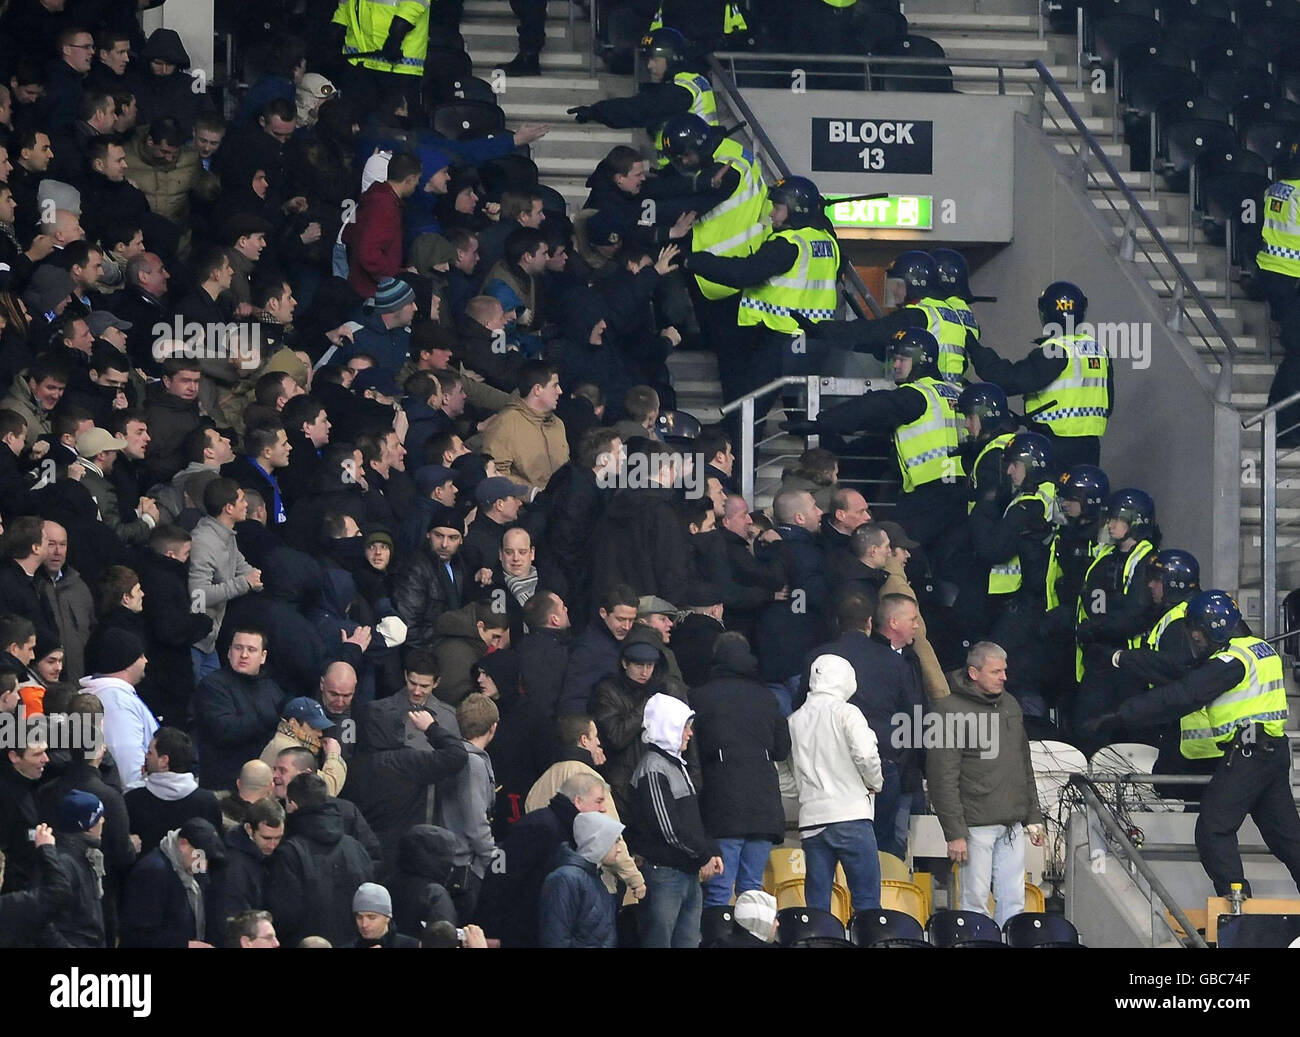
(734, 129)
(983, 298)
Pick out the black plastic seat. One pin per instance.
(1153, 74)
(881, 927)
(1199, 26)
(1232, 86)
(716, 923)
(1114, 26)
(1227, 184)
(468, 120)
(912, 47)
(1211, 59)
(448, 63)
(446, 90)
(823, 943)
(1189, 126)
(949, 928)
(1271, 25)
(804, 923)
(1291, 86)
(553, 203)
(877, 27)
(1269, 138)
(1035, 929)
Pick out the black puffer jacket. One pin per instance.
(424, 591)
(619, 709)
(418, 886)
(642, 541)
(741, 735)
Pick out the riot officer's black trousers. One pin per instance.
(532, 24)
(1068, 451)
(1252, 779)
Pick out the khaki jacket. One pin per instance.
(534, 445)
(932, 678)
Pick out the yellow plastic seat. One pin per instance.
(904, 896)
(892, 867)
(1034, 899)
(784, 878)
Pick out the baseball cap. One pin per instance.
(377, 378)
(101, 320)
(498, 486)
(604, 228)
(200, 834)
(96, 441)
(307, 711)
(898, 536)
(430, 477)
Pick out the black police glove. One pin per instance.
(808, 326)
(800, 427)
(582, 113)
(392, 49)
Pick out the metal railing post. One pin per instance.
(592, 42)
(1128, 243)
(1151, 161)
(1268, 526)
(747, 449)
(1174, 318)
(1078, 48)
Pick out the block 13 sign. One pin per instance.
(872, 146)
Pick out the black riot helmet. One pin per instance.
(921, 346)
(1088, 485)
(664, 43)
(803, 202)
(985, 401)
(1062, 303)
(1134, 507)
(918, 272)
(683, 136)
(1034, 452)
(1178, 571)
(954, 276)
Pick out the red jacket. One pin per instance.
(374, 241)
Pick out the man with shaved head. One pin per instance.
(338, 690)
(143, 302)
(253, 783)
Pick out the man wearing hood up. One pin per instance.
(834, 768)
(667, 829)
(576, 910)
(170, 795)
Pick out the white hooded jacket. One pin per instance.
(129, 725)
(834, 764)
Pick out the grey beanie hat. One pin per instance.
(372, 897)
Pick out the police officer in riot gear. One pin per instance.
(1166, 654)
(673, 89)
(913, 285)
(1067, 382)
(1011, 532)
(989, 428)
(1233, 710)
(792, 276)
(921, 415)
(1114, 608)
(954, 282)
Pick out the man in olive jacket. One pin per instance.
(982, 782)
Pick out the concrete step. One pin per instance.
(488, 58)
(1111, 149)
(927, 23)
(1210, 288)
(499, 10)
(1060, 72)
(555, 165)
(1017, 46)
(1150, 205)
(492, 32)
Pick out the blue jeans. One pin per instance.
(204, 663)
(785, 692)
(887, 803)
(743, 861)
(853, 844)
(670, 913)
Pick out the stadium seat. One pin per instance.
(1034, 899)
(877, 27)
(1123, 758)
(1199, 24)
(716, 923)
(784, 876)
(802, 923)
(1267, 125)
(1226, 184)
(904, 78)
(468, 120)
(508, 173)
(884, 928)
(895, 868)
(444, 63)
(950, 928)
(1234, 85)
(1211, 59)
(823, 943)
(906, 897)
(1032, 929)
(1273, 26)
(1188, 127)
(1151, 75)
(553, 203)
(1113, 26)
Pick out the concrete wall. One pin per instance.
(1168, 435)
(193, 20)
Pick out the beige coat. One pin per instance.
(936, 685)
(534, 445)
(545, 789)
(334, 770)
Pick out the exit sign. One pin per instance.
(896, 212)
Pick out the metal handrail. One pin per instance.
(1272, 408)
(727, 81)
(1154, 885)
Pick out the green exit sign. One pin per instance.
(896, 212)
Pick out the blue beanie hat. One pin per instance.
(78, 811)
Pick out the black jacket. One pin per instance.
(18, 595)
(170, 419)
(572, 504)
(642, 541)
(664, 823)
(25, 915)
(389, 782)
(741, 735)
(81, 775)
(173, 628)
(693, 640)
(313, 877)
(508, 903)
(152, 817)
(234, 717)
(594, 655)
(543, 657)
(242, 883)
(81, 923)
(482, 547)
(155, 909)
(418, 883)
(19, 816)
(425, 591)
(788, 630)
